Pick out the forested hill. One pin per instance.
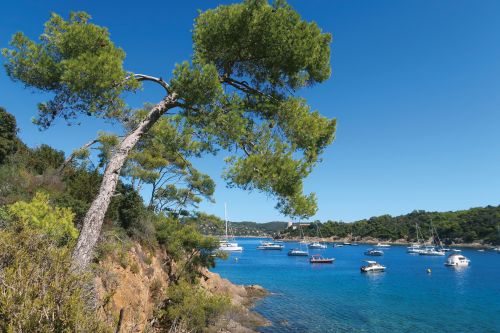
(465, 226)
(211, 225)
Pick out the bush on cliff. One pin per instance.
(38, 290)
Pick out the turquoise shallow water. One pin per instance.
(338, 298)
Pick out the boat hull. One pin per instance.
(276, 248)
(231, 248)
(321, 261)
(369, 270)
(298, 254)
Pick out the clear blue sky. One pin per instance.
(415, 89)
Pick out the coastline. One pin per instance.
(243, 298)
(374, 241)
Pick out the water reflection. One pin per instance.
(460, 276)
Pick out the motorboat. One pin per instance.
(354, 244)
(298, 253)
(225, 244)
(338, 245)
(318, 259)
(372, 266)
(457, 260)
(383, 245)
(374, 252)
(456, 250)
(431, 251)
(496, 249)
(347, 243)
(317, 245)
(270, 246)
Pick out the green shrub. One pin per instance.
(56, 222)
(192, 308)
(38, 291)
(187, 246)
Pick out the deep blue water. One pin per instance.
(338, 298)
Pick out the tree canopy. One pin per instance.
(236, 93)
(8, 134)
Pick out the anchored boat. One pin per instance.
(298, 253)
(317, 245)
(372, 266)
(457, 260)
(225, 244)
(270, 246)
(431, 251)
(374, 252)
(318, 259)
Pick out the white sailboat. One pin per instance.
(431, 250)
(225, 244)
(417, 247)
(298, 252)
(317, 245)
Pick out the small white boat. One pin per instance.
(481, 250)
(383, 245)
(338, 245)
(298, 253)
(431, 251)
(347, 243)
(414, 249)
(229, 246)
(270, 246)
(317, 245)
(372, 266)
(374, 252)
(456, 250)
(457, 260)
(496, 249)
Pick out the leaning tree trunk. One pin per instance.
(95, 215)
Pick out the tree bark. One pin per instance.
(92, 223)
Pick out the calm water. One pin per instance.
(338, 298)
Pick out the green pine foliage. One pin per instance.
(8, 135)
(55, 222)
(76, 61)
(237, 93)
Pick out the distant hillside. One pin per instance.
(257, 229)
(466, 226)
(246, 228)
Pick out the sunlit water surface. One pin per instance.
(338, 298)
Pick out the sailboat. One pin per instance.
(431, 250)
(298, 252)
(225, 244)
(317, 245)
(417, 247)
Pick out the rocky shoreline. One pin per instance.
(241, 319)
(374, 241)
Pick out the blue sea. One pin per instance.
(338, 298)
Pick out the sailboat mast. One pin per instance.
(225, 218)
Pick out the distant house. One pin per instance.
(294, 226)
